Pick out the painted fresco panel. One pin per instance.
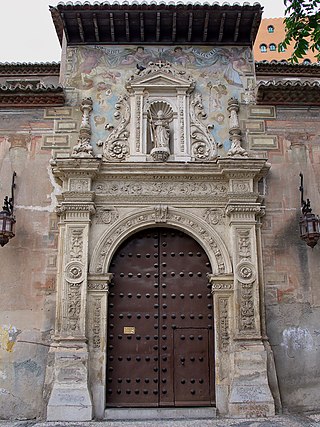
(101, 72)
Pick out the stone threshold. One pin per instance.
(196, 413)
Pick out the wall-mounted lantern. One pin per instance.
(7, 219)
(309, 223)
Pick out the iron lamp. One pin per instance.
(309, 223)
(7, 219)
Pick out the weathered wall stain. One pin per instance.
(8, 337)
(28, 365)
(296, 339)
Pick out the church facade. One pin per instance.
(157, 260)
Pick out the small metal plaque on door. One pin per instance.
(129, 330)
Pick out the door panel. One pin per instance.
(160, 289)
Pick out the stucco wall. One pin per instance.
(291, 267)
(28, 264)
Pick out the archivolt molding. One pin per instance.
(189, 223)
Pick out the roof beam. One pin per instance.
(205, 27)
(126, 18)
(141, 26)
(190, 26)
(113, 38)
(158, 26)
(80, 27)
(236, 30)
(221, 29)
(96, 27)
(65, 27)
(174, 26)
(254, 26)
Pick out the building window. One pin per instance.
(270, 29)
(281, 48)
(263, 48)
(272, 47)
(306, 61)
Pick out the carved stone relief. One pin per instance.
(73, 308)
(106, 215)
(116, 147)
(155, 187)
(204, 146)
(160, 214)
(76, 249)
(214, 216)
(79, 184)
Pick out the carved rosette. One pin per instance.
(116, 147)
(83, 148)
(235, 132)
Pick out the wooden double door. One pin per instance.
(160, 345)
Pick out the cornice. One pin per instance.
(152, 23)
(29, 69)
(30, 95)
(289, 93)
(281, 68)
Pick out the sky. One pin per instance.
(32, 38)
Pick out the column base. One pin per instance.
(70, 399)
(69, 404)
(250, 394)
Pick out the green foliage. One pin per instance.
(302, 23)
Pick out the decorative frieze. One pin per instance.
(164, 188)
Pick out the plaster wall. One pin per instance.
(291, 268)
(28, 264)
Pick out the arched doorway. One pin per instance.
(160, 349)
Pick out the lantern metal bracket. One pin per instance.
(305, 204)
(8, 203)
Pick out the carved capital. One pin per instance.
(220, 283)
(99, 282)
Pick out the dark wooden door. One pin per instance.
(160, 323)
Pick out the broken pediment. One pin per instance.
(159, 75)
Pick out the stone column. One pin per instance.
(97, 315)
(250, 393)
(222, 292)
(70, 399)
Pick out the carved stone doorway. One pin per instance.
(160, 348)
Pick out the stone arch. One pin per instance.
(161, 215)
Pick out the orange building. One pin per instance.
(266, 47)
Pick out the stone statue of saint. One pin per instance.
(160, 131)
